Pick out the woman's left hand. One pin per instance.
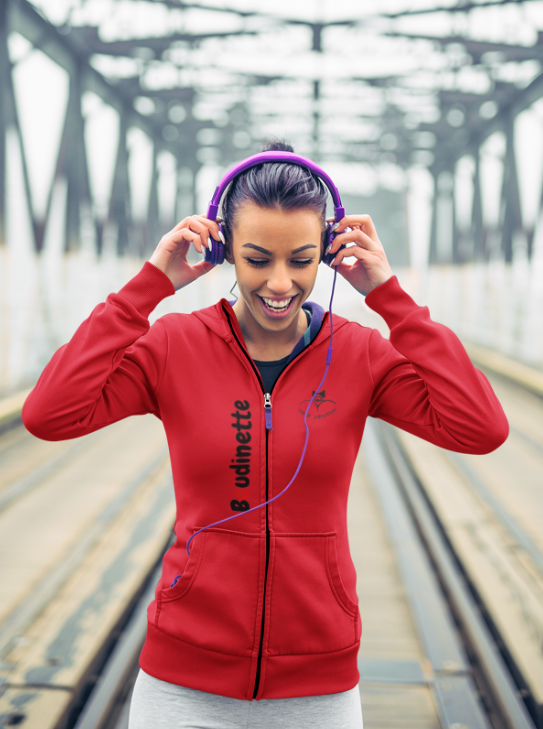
(371, 267)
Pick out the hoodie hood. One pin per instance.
(220, 316)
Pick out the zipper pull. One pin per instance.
(267, 410)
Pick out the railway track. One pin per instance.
(83, 526)
(468, 556)
(472, 679)
(488, 511)
(494, 678)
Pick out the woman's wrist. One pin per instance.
(384, 280)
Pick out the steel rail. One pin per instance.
(25, 484)
(452, 683)
(508, 521)
(24, 614)
(497, 676)
(120, 665)
(451, 679)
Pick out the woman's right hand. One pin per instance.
(170, 255)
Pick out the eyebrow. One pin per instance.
(264, 250)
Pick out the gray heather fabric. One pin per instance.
(160, 705)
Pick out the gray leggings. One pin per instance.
(159, 705)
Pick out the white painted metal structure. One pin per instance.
(117, 117)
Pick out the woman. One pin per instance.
(257, 623)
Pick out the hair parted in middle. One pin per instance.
(273, 185)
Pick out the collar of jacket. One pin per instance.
(221, 319)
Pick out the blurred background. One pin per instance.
(118, 118)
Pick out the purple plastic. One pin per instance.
(273, 156)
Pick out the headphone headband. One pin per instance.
(274, 156)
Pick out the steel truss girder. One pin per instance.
(24, 19)
(89, 41)
(4, 76)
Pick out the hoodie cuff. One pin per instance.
(147, 289)
(391, 302)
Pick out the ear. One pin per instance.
(228, 253)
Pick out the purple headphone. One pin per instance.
(216, 254)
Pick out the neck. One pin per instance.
(267, 345)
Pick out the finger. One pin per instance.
(202, 267)
(198, 226)
(364, 221)
(357, 236)
(343, 268)
(192, 221)
(212, 225)
(201, 225)
(349, 252)
(333, 246)
(187, 235)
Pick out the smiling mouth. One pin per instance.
(277, 306)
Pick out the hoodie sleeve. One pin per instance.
(424, 381)
(111, 368)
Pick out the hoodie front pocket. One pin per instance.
(214, 602)
(310, 610)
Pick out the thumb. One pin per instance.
(202, 267)
(343, 268)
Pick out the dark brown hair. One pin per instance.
(271, 185)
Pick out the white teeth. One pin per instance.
(279, 305)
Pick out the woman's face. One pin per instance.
(276, 254)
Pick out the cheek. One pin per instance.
(310, 276)
(247, 277)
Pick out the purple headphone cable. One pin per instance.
(242, 513)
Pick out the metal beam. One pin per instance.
(119, 205)
(481, 130)
(478, 232)
(89, 41)
(74, 163)
(4, 71)
(24, 19)
(152, 221)
(476, 49)
(432, 252)
(13, 119)
(510, 199)
(463, 7)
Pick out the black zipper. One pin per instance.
(259, 660)
(267, 408)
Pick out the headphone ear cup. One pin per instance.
(215, 256)
(328, 239)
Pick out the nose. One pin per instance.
(279, 280)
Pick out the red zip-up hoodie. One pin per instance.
(266, 606)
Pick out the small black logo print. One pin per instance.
(320, 399)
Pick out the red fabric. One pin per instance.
(191, 370)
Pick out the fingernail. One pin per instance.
(335, 226)
(221, 236)
(328, 249)
(209, 244)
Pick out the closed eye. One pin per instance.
(257, 262)
(261, 262)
